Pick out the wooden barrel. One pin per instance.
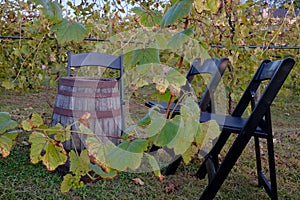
(99, 97)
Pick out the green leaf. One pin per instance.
(47, 150)
(178, 40)
(165, 97)
(128, 155)
(148, 18)
(212, 5)
(179, 10)
(8, 84)
(189, 127)
(175, 78)
(184, 137)
(4, 116)
(7, 141)
(211, 131)
(190, 153)
(36, 120)
(51, 10)
(153, 163)
(129, 131)
(6, 123)
(156, 126)
(61, 134)
(146, 120)
(106, 175)
(26, 125)
(79, 165)
(161, 84)
(143, 56)
(99, 149)
(168, 132)
(69, 31)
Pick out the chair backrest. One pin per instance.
(276, 72)
(216, 69)
(94, 59)
(100, 60)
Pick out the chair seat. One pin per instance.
(230, 124)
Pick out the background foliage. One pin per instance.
(49, 30)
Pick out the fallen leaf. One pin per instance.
(170, 188)
(161, 178)
(138, 181)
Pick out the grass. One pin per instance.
(19, 179)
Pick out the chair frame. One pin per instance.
(103, 60)
(257, 125)
(212, 66)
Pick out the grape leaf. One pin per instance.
(212, 5)
(69, 31)
(106, 175)
(178, 40)
(6, 123)
(128, 155)
(7, 84)
(175, 78)
(184, 137)
(143, 56)
(98, 149)
(179, 10)
(52, 10)
(155, 126)
(129, 131)
(168, 132)
(211, 131)
(189, 127)
(61, 134)
(7, 141)
(79, 165)
(161, 84)
(34, 121)
(190, 153)
(148, 18)
(146, 120)
(153, 163)
(47, 150)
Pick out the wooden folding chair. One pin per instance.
(257, 125)
(103, 60)
(212, 66)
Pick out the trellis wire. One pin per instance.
(127, 41)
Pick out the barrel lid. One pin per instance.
(88, 82)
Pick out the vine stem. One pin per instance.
(186, 24)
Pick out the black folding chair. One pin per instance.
(257, 125)
(102, 60)
(212, 66)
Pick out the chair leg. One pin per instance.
(272, 168)
(227, 164)
(258, 159)
(213, 155)
(270, 187)
(171, 169)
